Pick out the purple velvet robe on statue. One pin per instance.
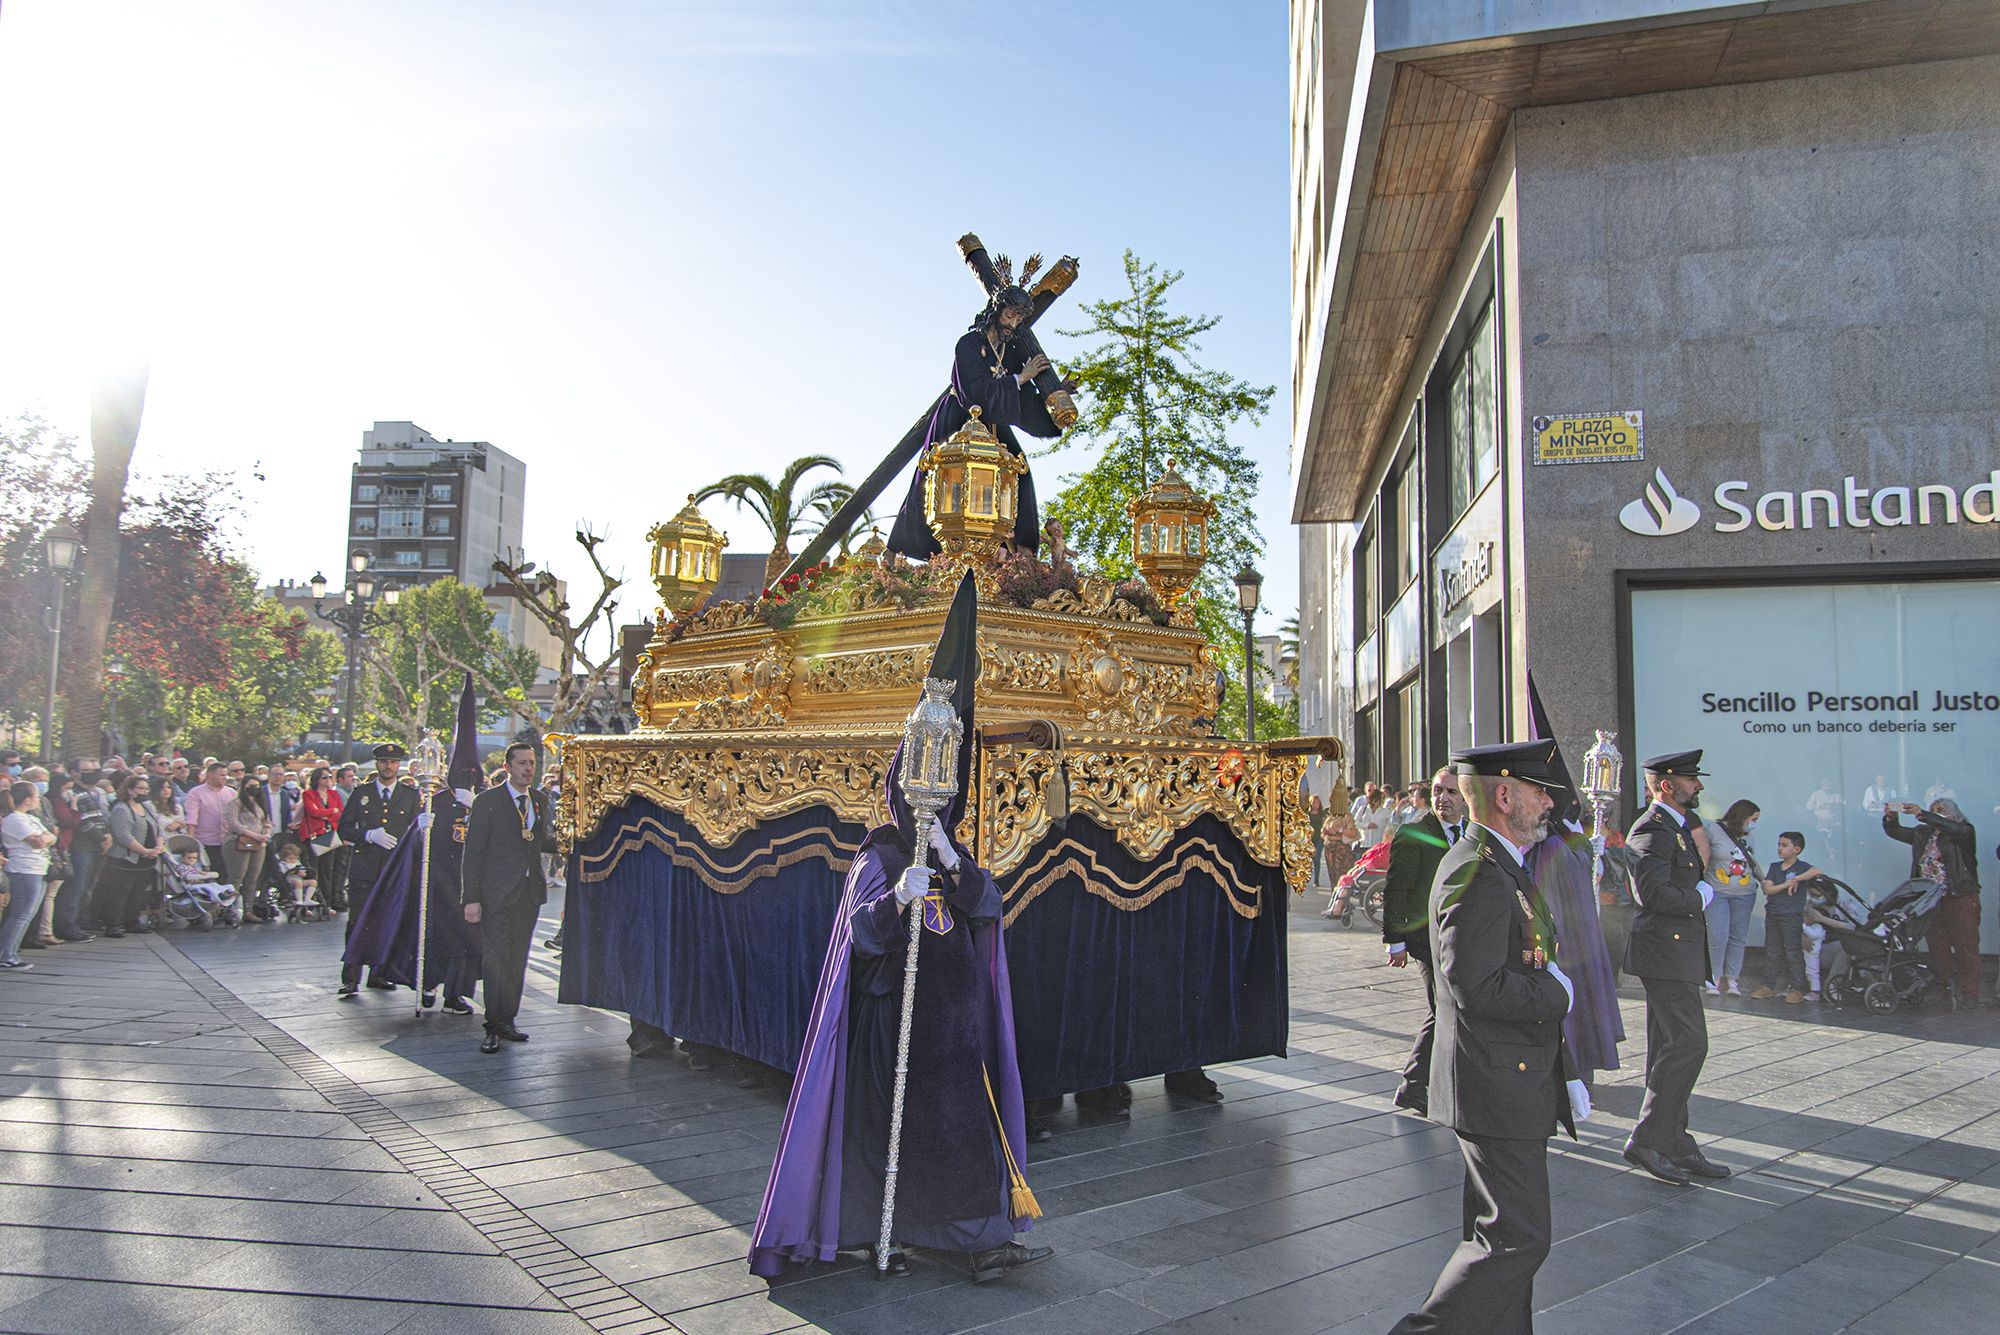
(1003, 406)
(825, 1190)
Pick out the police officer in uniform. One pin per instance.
(1668, 952)
(1500, 1075)
(379, 812)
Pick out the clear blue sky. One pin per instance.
(636, 244)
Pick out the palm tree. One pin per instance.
(781, 505)
(1288, 648)
(828, 498)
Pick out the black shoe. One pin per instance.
(114, 933)
(1193, 1084)
(140, 930)
(76, 936)
(1038, 1130)
(1699, 1165)
(508, 1032)
(348, 990)
(380, 984)
(1656, 1163)
(1112, 1099)
(456, 1006)
(490, 1044)
(989, 1266)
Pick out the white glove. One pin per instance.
(464, 796)
(423, 821)
(941, 845)
(1568, 986)
(381, 838)
(1396, 948)
(1579, 1100)
(915, 884)
(1707, 893)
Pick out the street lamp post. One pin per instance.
(355, 615)
(61, 545)
(1248, 586)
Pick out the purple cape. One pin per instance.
(1560, 866)
(800, 1217)
(385, 922)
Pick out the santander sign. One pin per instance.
(1662, 512)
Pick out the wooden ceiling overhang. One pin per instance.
(1441, 119)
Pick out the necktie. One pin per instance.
(522, 802)
(1452, 833)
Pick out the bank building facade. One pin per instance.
(1654, 348)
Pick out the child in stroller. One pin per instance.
(1885, 966)
(289, 886)
(196, 896)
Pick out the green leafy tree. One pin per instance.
(1143, 397)
(785, 506)
(413, 664)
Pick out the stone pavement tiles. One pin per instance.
(1867, 1150)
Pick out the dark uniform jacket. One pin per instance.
(500, 869)
(1669, 937)
(365, 811)
(1499, 1063)
(1415, 851)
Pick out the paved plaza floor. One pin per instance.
(195, 1136)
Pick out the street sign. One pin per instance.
(1590, 438)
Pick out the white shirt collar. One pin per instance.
(1678, 819)
(1520, 857)
(516, 794)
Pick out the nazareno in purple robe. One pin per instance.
(953, 1189)
(1560, 867)
(1003, 406)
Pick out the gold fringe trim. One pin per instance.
(1199, 855)
(693, 855)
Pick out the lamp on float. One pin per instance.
(687, 559)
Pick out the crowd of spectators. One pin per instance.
(83, 841)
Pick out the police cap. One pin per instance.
(1534, 761)
(1677, 764)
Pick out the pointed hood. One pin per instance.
(463, 769)
(956, 659)
(1569, 807)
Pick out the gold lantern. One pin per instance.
(1170, 533)
(687, 559)
(971, 490)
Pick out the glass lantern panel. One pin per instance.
(1170, 539)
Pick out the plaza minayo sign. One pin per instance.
(1590, 438)
(1661, 510)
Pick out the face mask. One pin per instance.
(291, 785)
(42, 786)
(14, 770)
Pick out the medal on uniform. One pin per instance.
(527, 831)
(1537, 957)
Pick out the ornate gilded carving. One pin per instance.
(840, 673)
(1013, 808)
(1122, 694)
(1004, 668)
(723, 790)
(753, 694)
(1146, 794)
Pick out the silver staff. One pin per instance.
(1603, 774)
(931, 738)
(429, 770)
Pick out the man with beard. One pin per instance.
(1414, 856)
(1500, 1073)
(377, 815)
(1668, 952)
(991, 372)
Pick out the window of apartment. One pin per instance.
(1402, 518)
(1471, 413)
(441, 491)
(438, 558)
(437, 523)
(1406, 740)
(364, 523)
(406, 557)
(1367, 602)
(367, 493)
(1366, 751)
(399, 523)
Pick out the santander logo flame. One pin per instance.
(1662, 511)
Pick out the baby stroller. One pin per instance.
(300, 897)
(1361, 887)
(197, 897)
(1885, 967)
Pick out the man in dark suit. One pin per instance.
(378, 814)
(1500, 1073)
(509, 830)
(1414, 855)
(1668, 952)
